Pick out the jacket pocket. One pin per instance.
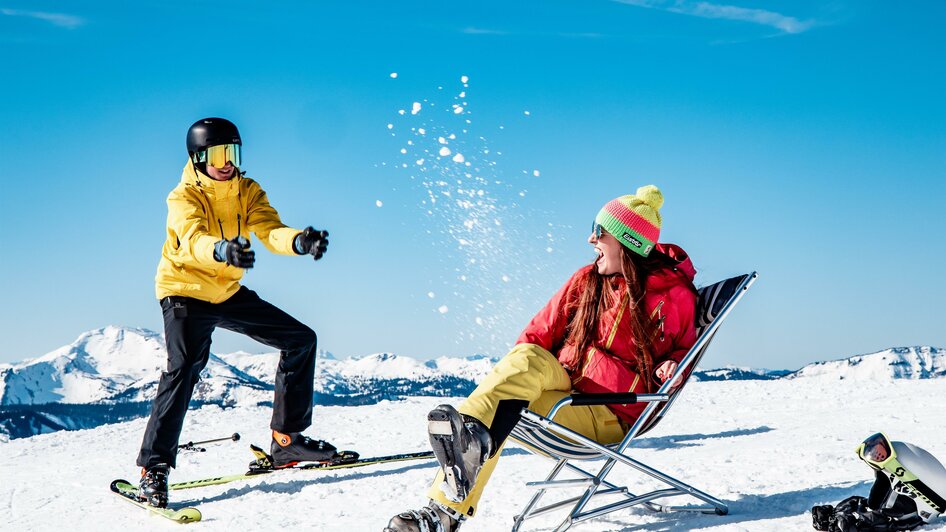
(610, 373)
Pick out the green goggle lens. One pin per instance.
(218, 156)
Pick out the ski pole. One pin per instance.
(193, 445)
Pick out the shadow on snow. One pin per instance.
(294, 486)
(681, 440)
(755, 508)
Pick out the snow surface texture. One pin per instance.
(769, 449)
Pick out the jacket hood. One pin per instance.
(682, 268)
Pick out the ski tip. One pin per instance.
(187, 515)
(126, 491)
(117, 483)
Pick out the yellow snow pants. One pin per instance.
(529, 373)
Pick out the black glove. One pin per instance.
(235, 252)
(822, 517)
(312, 242)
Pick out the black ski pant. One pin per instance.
(188, 325)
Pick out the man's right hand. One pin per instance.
(235, 252)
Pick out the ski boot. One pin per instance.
(431, 518)
(288, 450)
(461, 444)
(153, 487)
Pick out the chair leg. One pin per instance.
(524, 514)
(578, 512)
(617, 489)
(589, 493)
(615, 456)
(566, 524)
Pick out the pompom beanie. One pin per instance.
(634, 219)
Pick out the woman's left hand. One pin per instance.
(665, 370)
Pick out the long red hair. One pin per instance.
(599, 292)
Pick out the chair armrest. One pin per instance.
(587, 399)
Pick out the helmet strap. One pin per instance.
(200, 167)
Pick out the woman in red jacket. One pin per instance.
(621, 324)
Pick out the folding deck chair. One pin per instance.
(542, 435)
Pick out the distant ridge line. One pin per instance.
(114, 366)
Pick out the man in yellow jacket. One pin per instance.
(211, 213)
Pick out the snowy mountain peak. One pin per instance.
(97, 346)
(107, 365)
(96, 366)
(920, 362)
(378, 365)
(918, 350)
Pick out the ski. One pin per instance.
(263, 465)
(129, 492)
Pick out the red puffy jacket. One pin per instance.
(609, 364)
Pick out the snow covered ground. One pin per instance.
(769, 449)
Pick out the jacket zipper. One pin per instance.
(223, 236)
(660, 318)
(589, 355)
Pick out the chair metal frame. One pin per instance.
(532, 428)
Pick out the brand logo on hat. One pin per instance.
(632, 240)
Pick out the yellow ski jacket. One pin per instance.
(201, 212)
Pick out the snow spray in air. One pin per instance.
(497, 253)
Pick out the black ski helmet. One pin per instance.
(208, 132)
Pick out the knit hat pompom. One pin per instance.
(650, 195)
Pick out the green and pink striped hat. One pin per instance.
(634, 219)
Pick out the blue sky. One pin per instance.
(805, 140)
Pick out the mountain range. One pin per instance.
(110, 374)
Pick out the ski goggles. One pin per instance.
(218, 156)
(876, 451)
(597, 230)
(880, 454)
